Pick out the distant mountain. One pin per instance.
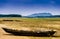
(10, 15)
(40, 15)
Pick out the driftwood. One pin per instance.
(13, 20)
(29, 33)
(7, 20)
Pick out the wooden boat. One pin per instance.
(29, 33)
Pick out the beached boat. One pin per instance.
(29, 33)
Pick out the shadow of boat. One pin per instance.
(29, 33)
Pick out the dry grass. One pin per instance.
(33, 24)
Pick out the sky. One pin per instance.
(27, 7)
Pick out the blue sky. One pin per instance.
(27, 7)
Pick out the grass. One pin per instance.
(33, 24)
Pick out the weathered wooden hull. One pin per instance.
(29, 33)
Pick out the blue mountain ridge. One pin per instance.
(40, 14)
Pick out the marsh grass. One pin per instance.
(34, 24)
